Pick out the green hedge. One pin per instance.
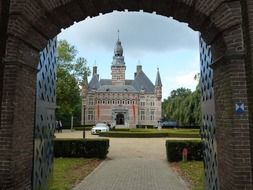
(142, 133)
(174, 149)
(182, 135)
(78, 127)
(145, 126)
(123, 129)
(132, 134)
(81, 148)
(82, 128)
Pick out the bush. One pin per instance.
(81, 148)
(123, 129)
(145, 126)
(174, 149)
(183, 135)
(148, 133)
(130, 134)
(83, 127)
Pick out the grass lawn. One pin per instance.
(193, 172)
(68, 172)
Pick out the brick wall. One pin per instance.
(248, 37)
(30, 25)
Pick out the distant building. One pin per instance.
(121, 102)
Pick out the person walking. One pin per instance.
(60, 126)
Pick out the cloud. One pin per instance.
(186, 79)
(140, 33)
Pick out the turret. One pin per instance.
(158, 85)
(84, 92)
(118, 65)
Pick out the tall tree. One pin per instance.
(71, 73)
(183, 106)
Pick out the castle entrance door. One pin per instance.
(120, 119)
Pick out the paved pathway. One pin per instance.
(132, 164)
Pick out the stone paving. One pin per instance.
(132, 164)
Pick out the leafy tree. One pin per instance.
(183, 106)
(71, 73)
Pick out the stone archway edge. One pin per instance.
(28, 25)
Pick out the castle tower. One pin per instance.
(118, 65)
(84, 92)
(158, 85)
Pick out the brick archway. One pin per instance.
(26, 27)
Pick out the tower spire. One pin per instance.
(118, 34)
(158, 81)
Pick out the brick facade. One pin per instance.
(120, 102)
(26, 27)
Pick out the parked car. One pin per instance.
(168, 124)
(100, 127)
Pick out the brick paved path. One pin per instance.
(132, 174)
(132, 164)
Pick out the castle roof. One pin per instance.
(158, 81)
(142, 82)
(113, 88)
(94, 83)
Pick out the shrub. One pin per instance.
(145, 126)
(123, 129)
(78, 127)
(183, 135)
(130, 134)
(81, 148)
(174, 149)
(83, 128)
(148, 133)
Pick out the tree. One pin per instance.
(71, 73)
(183, 106)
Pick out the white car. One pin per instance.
(100, 127)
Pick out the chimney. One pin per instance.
(139, 69)
(95, 70)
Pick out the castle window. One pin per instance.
(103, 102)
(123, 102)
(90, 115)
(152, 115)
(118, 102)
(142, 115)
(113, 102)
(128, 102)
(91, 102)
(108, 102)
(142, 103)
(152, 103)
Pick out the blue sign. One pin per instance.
(239, 108)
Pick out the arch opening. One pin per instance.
(220, 23)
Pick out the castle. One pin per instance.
(121, 102)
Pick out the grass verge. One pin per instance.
(68, 172)
(193, 172)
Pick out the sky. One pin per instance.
(150, 40)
